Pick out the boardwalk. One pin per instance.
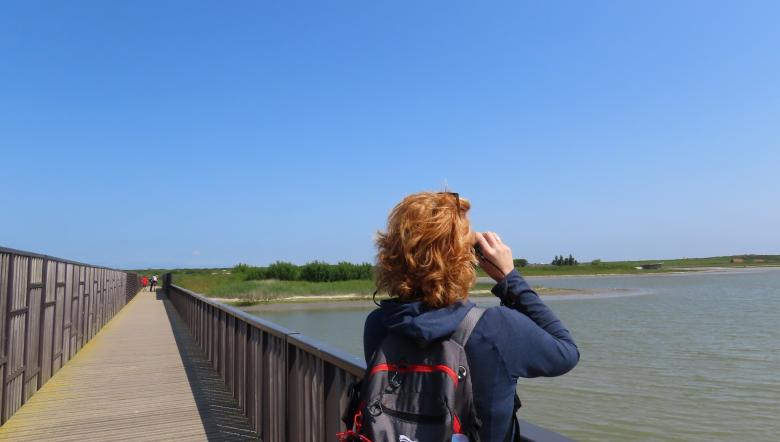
(141, 378)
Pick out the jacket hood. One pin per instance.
(421, 323)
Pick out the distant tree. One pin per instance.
(560, 260)
(595, 262)
(520, 262)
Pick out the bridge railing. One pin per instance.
(290, 386)
(50, 308)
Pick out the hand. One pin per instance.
(497, 261)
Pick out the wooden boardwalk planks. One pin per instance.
(141, 378)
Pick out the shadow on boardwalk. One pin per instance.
(222, 418)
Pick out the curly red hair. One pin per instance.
(427, 252)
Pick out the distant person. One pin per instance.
(153, 283)
(426, 262)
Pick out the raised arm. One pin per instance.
(543, 346)
(540, 345)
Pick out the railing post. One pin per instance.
(167, 280)
(41, 316)
(27, 331)
(6, 337)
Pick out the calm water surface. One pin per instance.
(696, 357)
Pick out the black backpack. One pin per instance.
(416, 391)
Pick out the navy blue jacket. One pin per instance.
(522, 338)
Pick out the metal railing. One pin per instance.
(50, 308)
(290, 386)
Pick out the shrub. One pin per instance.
(255, 274)
(521, 262)
(347, 271)
(595, 262)
(283, 271)
(249, 273)
(316, 272)
(344, 271)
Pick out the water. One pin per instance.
(696, 357)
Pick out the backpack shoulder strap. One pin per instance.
(466, 326)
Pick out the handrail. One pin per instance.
(290, 386)
(352, 364)
(49, 308)
(52, 258)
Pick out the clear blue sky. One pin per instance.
(184, 133)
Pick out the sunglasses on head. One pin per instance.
(457, 198)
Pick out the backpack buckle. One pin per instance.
(394, 381)
(375, 409)
(462, 372)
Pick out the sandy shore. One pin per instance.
(356, 301)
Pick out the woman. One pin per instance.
(426, 263)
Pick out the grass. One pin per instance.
(204, 283)
(274, 288)
(607, 268)
(250, 292)
(630, 267)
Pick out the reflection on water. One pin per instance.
(696, 358)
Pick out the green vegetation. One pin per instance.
(603, 268)
(224, 283)
(248, 285)
(720, 261)
(274, 288)
(315, 271)
(561, 261)
(599, 267)
(520, 262)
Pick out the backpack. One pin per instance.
(415, 391)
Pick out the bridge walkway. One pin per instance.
(141, 378)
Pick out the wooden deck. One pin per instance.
(141, 378)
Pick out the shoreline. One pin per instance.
(347, 301)
(673, 271)
(354, 300)
(361, 304)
